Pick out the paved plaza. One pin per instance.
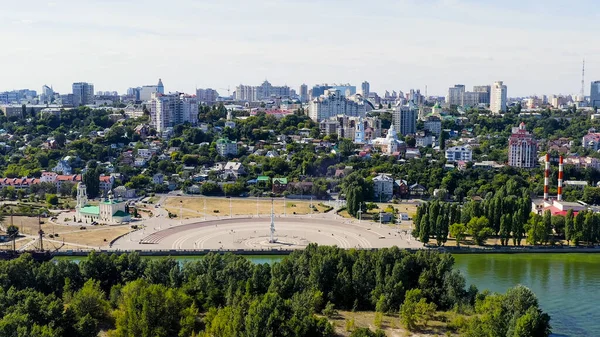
(253, 233)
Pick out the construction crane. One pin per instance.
(228, 90)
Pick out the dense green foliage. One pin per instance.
(227, 295)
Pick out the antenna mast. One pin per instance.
(583, 81)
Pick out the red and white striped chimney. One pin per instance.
(560, 178)
(546, 177)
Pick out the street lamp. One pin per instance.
(359, 215)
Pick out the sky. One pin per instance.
(535, 47)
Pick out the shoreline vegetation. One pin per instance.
(319, 291)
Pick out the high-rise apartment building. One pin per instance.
(484, 93)
(522, 148)
(405, 119)
(318, 90)
(333, 103)
(498, 97)
(172, 109)
(47, 94)
(83, 93)
(456, 95)
(263, 91)
(304, 93)
(146, 91)
(366, 88)
(595, 94)
(207, 95)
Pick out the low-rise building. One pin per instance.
(459, 153)
(591, 141)
(383, 187)
(226, 147)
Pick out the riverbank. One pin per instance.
(452, 250)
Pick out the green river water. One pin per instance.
(567, 285)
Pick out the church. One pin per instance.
(108, 211)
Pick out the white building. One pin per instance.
(169, 110)
(333, 103)
(498, 97)
(383, 187)
(147, 90)
(459, 153)
(390, 144)
(405, 119)
(108, 211)
(226, 147)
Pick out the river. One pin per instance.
(567, 285)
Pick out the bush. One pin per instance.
(329, 310)
(349, 324)
(377, 320)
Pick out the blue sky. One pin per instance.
(535, 47)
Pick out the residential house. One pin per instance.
(401, 188)
(123, 192)
(139, 162)
(417, 190)
(591, 140)
(106, 183)
(158, 178)
(234, 169)
(383, 186)
(194, 189)
(279, 185)
(62, 167)
(424, 140)
(412, 153)
(144, 153)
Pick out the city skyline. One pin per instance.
(405, 46)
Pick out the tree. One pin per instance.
(346, 147)
(425, 229)
(12, 231)
(357, 189)
(90, 300)
(480, 230)
(458, 231)
(51, 199)
(569, 226)
(91, 179)
(505, 226)
(415, 309)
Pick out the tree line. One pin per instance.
(227, 295)
(506, 215)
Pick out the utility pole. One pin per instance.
(230, 209)
(180, 212)
(272, 240)
(284, 214)
(204, 208)
(41, 233)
